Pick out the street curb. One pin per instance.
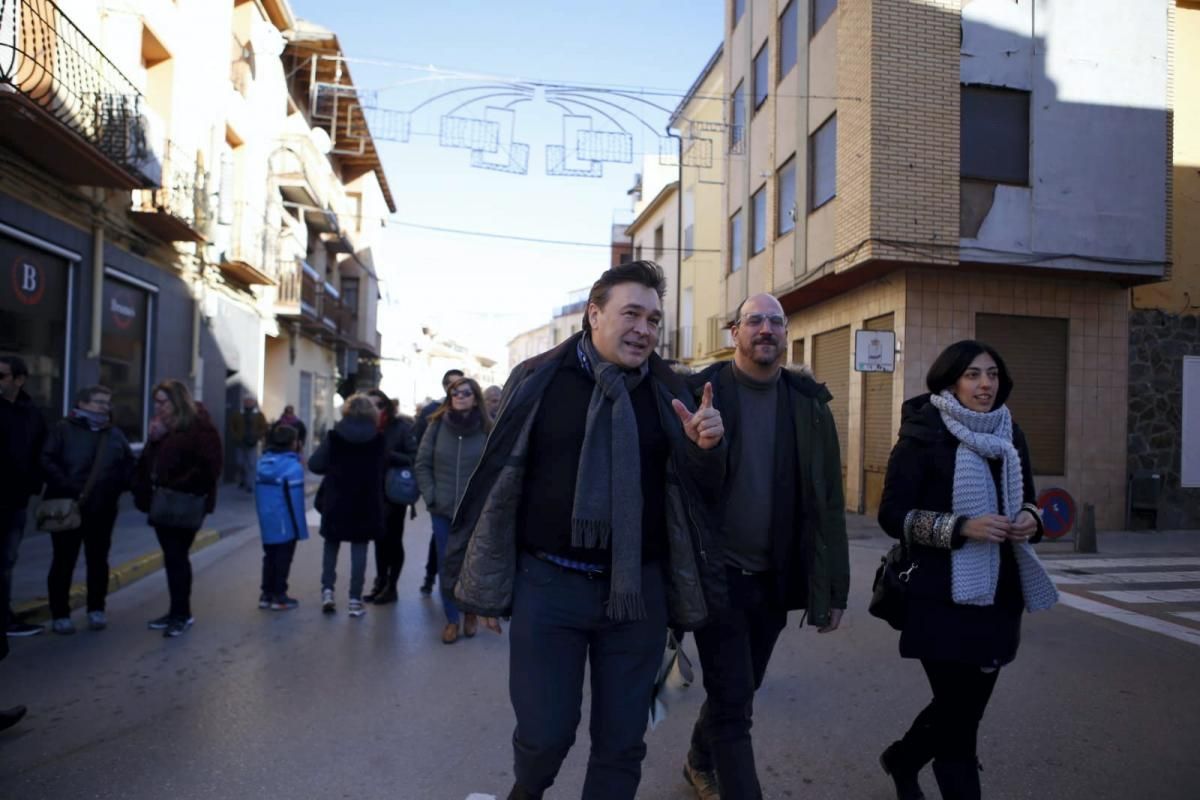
(120, 576)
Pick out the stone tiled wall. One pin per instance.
(1158, 341)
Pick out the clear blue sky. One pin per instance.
(484, 291)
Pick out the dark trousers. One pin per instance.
(95, 537)
(176, 543)
(734, 650)
(431, 561)
(948, 728)
(277, 565)
(559, 627)
(389, 548)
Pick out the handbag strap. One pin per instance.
(91, 481)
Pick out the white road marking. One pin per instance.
(477, 796)
(1110, 563)
(1194, 616)
(1128, 577)
(1180, 632)
(1154, 596)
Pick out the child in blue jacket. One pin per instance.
(279, 497)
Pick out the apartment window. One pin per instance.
(624, 258)
(637, 253)
(737, 242)
(739, 8)
(658, 243)
(788, 32)
(822, 10)
(760, 75)
(758, 221)
(1035, 350)
(785, 190)
(994, 135)
(689, 223)
(738, 116)
(822, 166)
(350, 294)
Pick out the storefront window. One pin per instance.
(123, 329)
(33, 319)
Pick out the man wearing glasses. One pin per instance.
(22, 433)
(783, 533)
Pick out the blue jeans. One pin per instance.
(358, 566)
(441, 535)
(559, 626)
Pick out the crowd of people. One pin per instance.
(600, 500)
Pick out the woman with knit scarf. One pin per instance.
(959, 493)
(450, 450)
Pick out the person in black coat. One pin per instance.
(959, 492)
(84, 441)
(352, 459)
(389, 549)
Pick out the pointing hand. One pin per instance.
(704, 426)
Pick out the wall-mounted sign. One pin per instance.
(875, 351)
(28, 280)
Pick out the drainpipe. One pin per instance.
(97, 278)
(678, 243)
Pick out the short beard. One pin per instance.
(752, 354)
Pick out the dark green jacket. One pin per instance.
(481, 558)
(811, 560)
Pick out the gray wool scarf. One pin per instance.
(975, 567)
(608, 487)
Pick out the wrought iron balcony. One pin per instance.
(248, 245)
(178, 211)
(65, 106)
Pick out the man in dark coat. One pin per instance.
(418, 432)
(8, 716)
(22, 433)
(72, 450)
(783, 533)
(584, 522)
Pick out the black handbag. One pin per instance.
(889, 592)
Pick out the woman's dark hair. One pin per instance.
(647, 273)
(388, 410)
(953, 362)
(447, 404)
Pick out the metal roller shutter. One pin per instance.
(877, 423)
(831, 365)
(1035, 351)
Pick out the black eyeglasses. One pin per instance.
(462, 393)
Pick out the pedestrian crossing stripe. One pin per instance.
(1126, 577)
(1175, 631)
(1111, 563)
(1153, 596)
(1194, 616)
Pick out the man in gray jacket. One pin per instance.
(585, 523)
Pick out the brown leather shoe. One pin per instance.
(470, 625)
(450, 633)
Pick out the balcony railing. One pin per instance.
(48, 61)
(179, 207)
(249, 248)
(298, 294)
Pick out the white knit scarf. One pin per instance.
(975, 567)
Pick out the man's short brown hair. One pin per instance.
(647, 273)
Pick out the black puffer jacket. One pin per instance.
(22, 434)
(67, 462)
(352, 459)
(920, 476)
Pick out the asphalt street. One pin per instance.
(254, 704)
